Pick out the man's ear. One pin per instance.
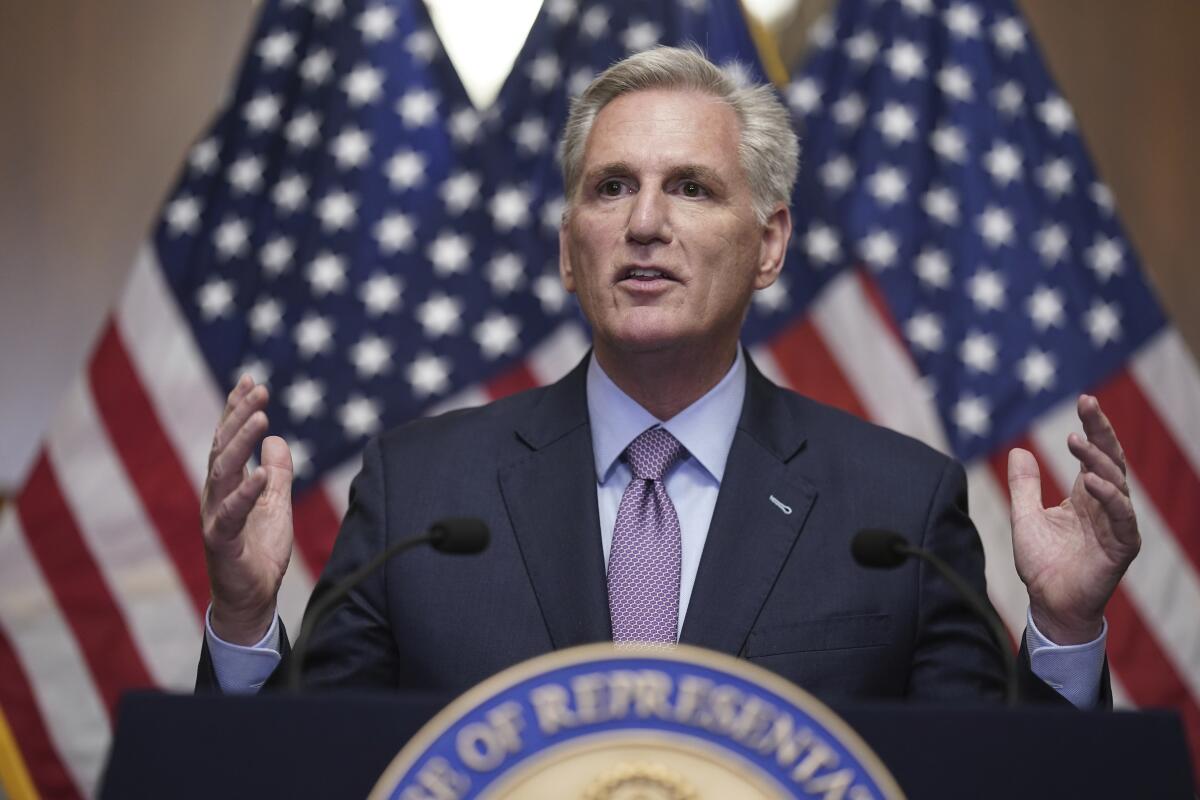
(776, 232)
(565, 271)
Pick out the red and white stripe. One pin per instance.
(109, 594)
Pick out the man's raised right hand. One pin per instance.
(247, 517)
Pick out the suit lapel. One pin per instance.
(550, 494)
(760, 512)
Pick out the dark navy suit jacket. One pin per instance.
(779, 589)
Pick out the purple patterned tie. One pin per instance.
(643, 564)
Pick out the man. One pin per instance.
(665, 488)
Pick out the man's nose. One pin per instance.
(649, 218)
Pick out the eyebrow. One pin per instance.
(607, 171)
(700, 174)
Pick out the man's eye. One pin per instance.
(692, 189)
(612, 188)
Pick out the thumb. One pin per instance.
(277, 459)
(1024, 483)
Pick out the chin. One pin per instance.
(649, 338)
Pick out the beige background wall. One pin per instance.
(98, 101)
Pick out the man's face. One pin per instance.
(661, 244)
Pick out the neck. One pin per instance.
(665, 382)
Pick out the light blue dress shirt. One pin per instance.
(706, 429)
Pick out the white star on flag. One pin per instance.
(276, 255)
(804, 96)
(351, 148)
(215, 299)
(422, 45)
(428, 375)
(314, 335)
(303, 129)
(497, 335)
(955, 82)
(359, 416)
(262, 113)
(973, 415)
(405, 169)
(822, 245)
(417, 108)
(640, 36)
(266, 317)
(505, 273)
(1045, 307)
(363, 86)
(933, 268)
(941, 204)
(395, 233)
(316, 67)
(381, 294)
(986, 289)
(371, 356)
(544, 72)
(183, 214)
(962, 19)
(978, 352)
(879, 249)
(440, 315)
(896, 123)
(450, 253)
(1051, 244)
(906, 60)
(460, 191)
(337, 210)
(304, 398)
(277, 50)
(837, 173)
(1036, 370)
(377, 23)
(924, 330)
(888, 185)
(327, 274)
(509, 208)
(1103, 323)
(231, 238)
(996, 226)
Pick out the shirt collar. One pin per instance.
(706, 427)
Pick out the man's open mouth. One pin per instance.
(646, 274)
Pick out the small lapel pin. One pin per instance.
(781, 505)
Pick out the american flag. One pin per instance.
(352, 231)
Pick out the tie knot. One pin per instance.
(652, 453)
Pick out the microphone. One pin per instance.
(882, 549)
(452, 535)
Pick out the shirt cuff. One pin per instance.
(240, 669)
(1072, 670)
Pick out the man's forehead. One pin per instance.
(664, 123)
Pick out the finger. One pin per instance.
(253, 400)
(1024, 483)
(1093, 459)
(236, 506)
(239, 390)
(277, 460)
(1099, 430)
(1117, 507)
(228, 466)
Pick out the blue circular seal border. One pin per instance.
(532, 708)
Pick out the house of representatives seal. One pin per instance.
(605, 723)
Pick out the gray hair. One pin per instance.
(768, 148)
